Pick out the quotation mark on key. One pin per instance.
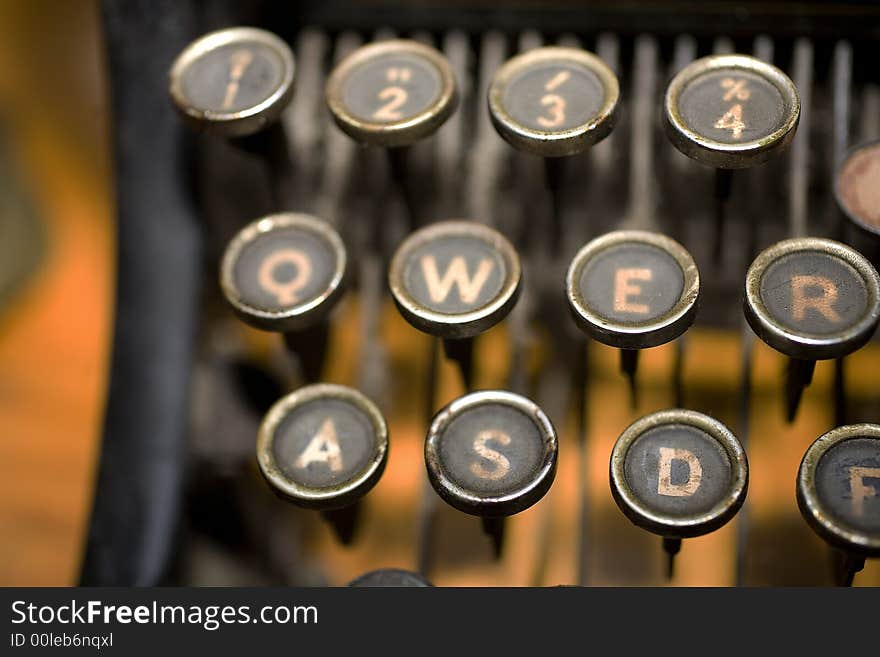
(398, 74)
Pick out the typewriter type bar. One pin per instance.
(324, 447)
(392, 94)
(633, 290)
(285, 273)
(730, 112)
(554, 102)
(455, 280)
(678, 474)
(838, 493)
(491, 454)
(811, 299)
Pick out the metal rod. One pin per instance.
(629, 363)
(494, 529)
(671, 546)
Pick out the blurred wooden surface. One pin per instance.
(54, 336)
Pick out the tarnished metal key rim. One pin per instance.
(854, 319)
(241, 50)
(857, 186)
(455, 253)
(833, 519)
(308, 247)
(362, 437)
(392, 93)
(636, 332)
(480, 459)
(575, 97)
(725, 111)
(643, 508)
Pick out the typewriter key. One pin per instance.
(234, 81)
(390, 577)
(857, 187)
(285, 273)
(392, 94)
(838, 492)
(811, 299)
(633, 290)
(553, 102)
(678, 474)
(324, 447)
(455, 280)
(492, 454)
(730, 112)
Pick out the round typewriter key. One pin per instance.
(390, 577)
(324, 447)
(731, 111)
(234, 81)
(392, 93)
(857, 187)
(838, 492)
(284, 272)
(492, 454)
(811, 299)
(633, 290)
(554, 101)
(455, 280)
(678, 474)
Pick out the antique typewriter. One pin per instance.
(492, 294)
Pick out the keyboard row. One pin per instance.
(809, 298)
(492, 453)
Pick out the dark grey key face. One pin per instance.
(392, 88)
(233, 82)
(858, 186)
(731, 111)
(324, 443)
(233, 77)
(678, 473)
(814, 294)
(812, 298)
(284, 268)
(323, 446)
(491, 453)
(284, 272)
(554, 96)
(392, 577)
(633, 289)
(678, 470)
(455, 279)
(631, 283)
(732, 106)
(553, 101)
(847, 482)
(491, 450)
(454, 274)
